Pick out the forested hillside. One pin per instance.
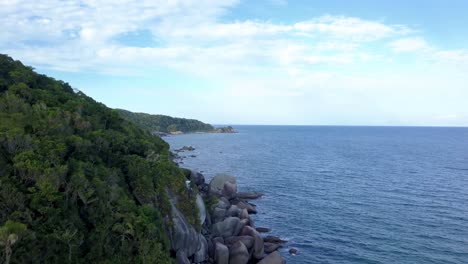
(165, 124)
(78, 183)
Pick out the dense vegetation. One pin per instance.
(165, 124)
(79, 184)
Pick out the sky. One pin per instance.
(277, 62)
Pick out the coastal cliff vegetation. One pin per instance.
(79, 183)
(165, 124)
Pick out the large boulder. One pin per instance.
(249, 196)
(197, 178)
(221, 254)
(233, 211)
(270, 247)
(248, 241)
(182, 235)
(202, 254)
(230, 226)
(229, 190)
(201, 209)
(244, 214)
(258, 241)
(238, 253)
(218, 181)
(181, 257)
(272, 258)
(218, 214)
(251, 209)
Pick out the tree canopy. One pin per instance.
(165, 124)
(78, 183)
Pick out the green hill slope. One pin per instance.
(78, 183)
(165, 124)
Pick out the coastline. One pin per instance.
(227, 232)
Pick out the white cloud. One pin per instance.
(74, 35)
(457, 56)
(410, 45)
(323, 64)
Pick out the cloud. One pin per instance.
(410, 45)
(457, 56)
(337, 65)
(188, 35)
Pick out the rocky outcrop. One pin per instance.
(201, 209)
(230, 226)
(229, 234)
(197, 178)
(229, 190)
(202, 254)
(221, 255)
(183, 236)
(249, 195)
(217, 183)
(258, 249)
(238, 253)
(227, 129)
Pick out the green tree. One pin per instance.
(10, 233)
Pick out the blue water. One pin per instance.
(350, 194)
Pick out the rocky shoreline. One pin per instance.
(228, 234)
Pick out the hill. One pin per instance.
(79, 183)
(165, 124)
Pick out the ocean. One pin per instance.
(349, 194)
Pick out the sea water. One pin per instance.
(349, 194)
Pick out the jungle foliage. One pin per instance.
(165, 124)
(78, 183)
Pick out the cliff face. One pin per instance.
(78, 183)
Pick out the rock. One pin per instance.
(229, 190)
(274, 239)
(270, 247)
(248, 241)
(182, 235)
(262, 229)
(228, 129)
(187, 148)
(225, 201)
(272, 258)
(230, 226)
(246, 221)
(181, 257)
(222, 203)
(197, 178)
(202, 253)
(218, 214)
(244, 214)
(218, 239)
(238, 253)
(251, 209)
(201, 209)
(233, 211)
(221, 254)
(218, 181)
(249, 196)
(293, 251)
(258, 241)
(211, 248)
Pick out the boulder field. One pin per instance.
(228, 234)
